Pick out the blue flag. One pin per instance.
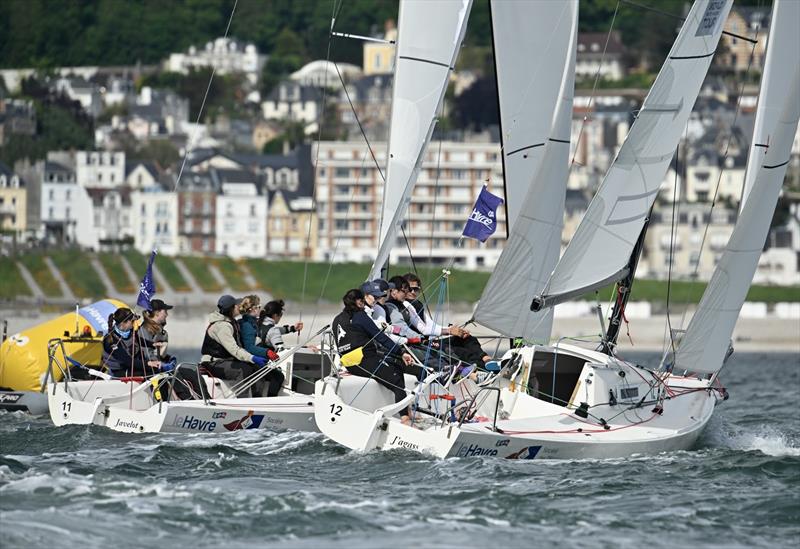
(482, 221)
(147, 287)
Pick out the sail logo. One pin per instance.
(708, 24)
(474, 450)
(194, 424)
(484, 219)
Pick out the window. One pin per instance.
(187, 226)
(252, 209)
(66, 196)
(342, 172)
(51, 195)
(100, 177)
(66, 214)
(143, 209)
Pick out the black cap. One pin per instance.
(226, 302)
(373, 289)
(159, 305)
(385, 286)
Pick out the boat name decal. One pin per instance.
(130, 424)
(9, 397)
(475, 450)
(249, 421)
(397, 441)
(195, 424)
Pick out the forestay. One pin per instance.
(429, 37)
(601, 247)
(535, 45)
(705, 343)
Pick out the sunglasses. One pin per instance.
(414, 289)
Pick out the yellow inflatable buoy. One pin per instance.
(23, 356)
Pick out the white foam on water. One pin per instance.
(765, 439)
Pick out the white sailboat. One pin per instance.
(137, 405)
(564, 401)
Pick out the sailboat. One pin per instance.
(563, 401)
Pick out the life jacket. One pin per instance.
(349, 337)
(214, 348)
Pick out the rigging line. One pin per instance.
(358, 121)
(203, 103)
(722, 170)
(334, 14)
(336, 246)
(594, 90)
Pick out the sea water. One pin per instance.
(86, 486)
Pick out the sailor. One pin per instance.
(353, 330)
(268, 330)
(152, 333)
(250, 308)
(223, 354)
(463, 344)
(122, 354)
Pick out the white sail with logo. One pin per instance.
(536, 112)
(429, 37)
(599, 252)
(705, 343)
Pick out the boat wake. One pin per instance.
(766, 439)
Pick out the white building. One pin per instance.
(225, 55)
(154, 218)
(350, 192)
(591, 56)
(85, 92)
(111, 217)
(294, 102)
(100, 169)
(241, 215)
(322, 74)
(66, 209)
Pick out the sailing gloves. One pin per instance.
(259, 361)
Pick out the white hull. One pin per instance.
(131, 408)
(33, 402)
(533, 427)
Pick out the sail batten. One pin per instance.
(603, 243)
(705, 344)
(536, 113)
(430, 33)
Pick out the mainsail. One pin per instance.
(599, 251)
(536, 112)
(705, 343)
(429, 37)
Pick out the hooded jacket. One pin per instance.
(224, 331)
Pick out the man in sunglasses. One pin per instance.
(462, 344)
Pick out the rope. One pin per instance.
(203, 103)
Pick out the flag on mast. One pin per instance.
(147, 287)
(482, 222)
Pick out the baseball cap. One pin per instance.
(227, 302)
(385, 286)
(159, 305)
(372, 288)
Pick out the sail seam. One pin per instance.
(681, 57)
(421, 60)
(776, 165)
(525, 148)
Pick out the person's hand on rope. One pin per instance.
(408, 360)
(298, 326)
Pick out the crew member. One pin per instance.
(250, 307)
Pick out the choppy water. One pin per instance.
(91, 487)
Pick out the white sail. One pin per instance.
(705, 343)
(429, 37)
(543, 36)
(531, 41)
(601, 247)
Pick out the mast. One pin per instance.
(429, 37)
(624, 287)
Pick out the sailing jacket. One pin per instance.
(354, 330)
(248, 327)
(378, 315)
(123, 356)
(223, 340)
(272, 335)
